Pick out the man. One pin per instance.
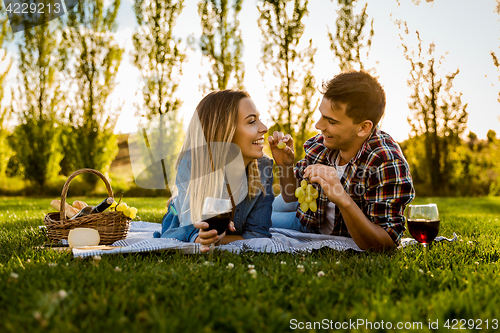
(363, 179)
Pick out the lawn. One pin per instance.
(45, 290)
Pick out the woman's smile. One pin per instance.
(259, 143)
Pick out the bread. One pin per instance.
(70, 211)
(79, 205)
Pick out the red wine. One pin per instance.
(219, 222)
(424, 231)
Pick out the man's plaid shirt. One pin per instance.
(377, 179)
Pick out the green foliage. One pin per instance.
(5, 63)
(36, 142)
(438, 115)
(158, 55)
(38, 103)
(159, 58)
(349, 40)
(293, 98)
(47, 290)
(95, 57)
(6, 152)
(221, 43)
(475, 167)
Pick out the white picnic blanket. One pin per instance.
(140, 239)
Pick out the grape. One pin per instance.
(299, 192)
(127, 212)
(121, 207)
(281, 145)
(309, 189)
(307, 195)
(133, 212)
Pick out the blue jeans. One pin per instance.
(284, 215)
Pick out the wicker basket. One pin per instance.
(112, 225)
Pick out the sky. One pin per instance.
(463, 33)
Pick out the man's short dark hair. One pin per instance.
(364, 96)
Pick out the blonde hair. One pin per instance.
(217, 113)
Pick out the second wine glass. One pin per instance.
(217, 213)
(423, 222)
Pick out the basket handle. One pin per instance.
(70, 178)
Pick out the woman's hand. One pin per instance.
(207, 237)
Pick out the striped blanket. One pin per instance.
(140, 239)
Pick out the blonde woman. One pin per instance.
(227, 116)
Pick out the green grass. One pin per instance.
(169, 292)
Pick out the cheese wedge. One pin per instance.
(79, 237)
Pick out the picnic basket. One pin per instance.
(111, 225)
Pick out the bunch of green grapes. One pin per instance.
(307, 195)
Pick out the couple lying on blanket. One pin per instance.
(361, 175)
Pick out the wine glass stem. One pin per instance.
(211, 252)
(425, 255)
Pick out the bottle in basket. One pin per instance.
(94, 209)
(103, 205)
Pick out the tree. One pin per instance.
(5, 65)
(39, 102)
(96, 57)
(159, 57)
(221, 43)
(492, 136)
(349, 40)
(293, 99)
(158, 54)
(438, 115)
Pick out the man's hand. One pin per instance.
(207, 237)
(283, 157)
(365, 234)
(327, 178)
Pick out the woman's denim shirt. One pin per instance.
(252, 218)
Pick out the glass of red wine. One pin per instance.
(423, 224)
(217, 213)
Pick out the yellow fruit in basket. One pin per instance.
(113, 205)
(133, 212)
(121, 207)
(126, 212)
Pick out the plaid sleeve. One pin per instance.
(390, 190)
(299, 168)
